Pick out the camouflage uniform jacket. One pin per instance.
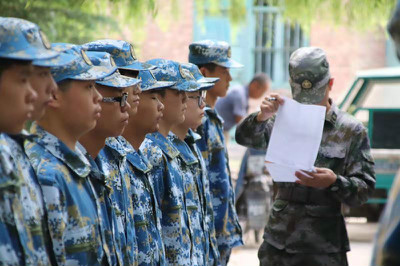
(212, 146)
(16, 244)
(187, 164)
(319, 228)
(169, 189)
(108, 218)
(69, 199)
(200, 170)
(31, 197)
(113, 165)
(147, 214)
(387, 239)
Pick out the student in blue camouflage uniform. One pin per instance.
(114, 118)
(114, 154)
(167, 178)
(387, 240)
(193, 194)
(146, 210)
(22, 227)
(182, 138)
(213, 60)
(306, 226)
(62, 170)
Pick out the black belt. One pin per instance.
(306, 195)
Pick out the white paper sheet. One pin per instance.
(295, 139)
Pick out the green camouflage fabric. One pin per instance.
(309, 228)
(309, 74)
(271, 256)
(16, 244)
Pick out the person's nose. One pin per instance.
(32, 95)
(97, 96)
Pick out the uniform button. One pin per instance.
(334, 188)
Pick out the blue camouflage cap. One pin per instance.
(207, 51)
(80, 68)
(168, 70)
(23, 40)
(308, 74)
(115, 80)
(122, 52)
(149, 81)
(61, 59)
(197, 74)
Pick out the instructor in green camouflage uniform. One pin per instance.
(306, 226)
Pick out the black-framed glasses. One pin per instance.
(201, 99)
(120, 99)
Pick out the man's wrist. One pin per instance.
(261, 117)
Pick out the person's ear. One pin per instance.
(56, 98)
(331, 81)
(204, 71)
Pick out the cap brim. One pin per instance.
(159, 85)
(229, 63)
(138, 66)
(116, 80)
(207, 80)
(60, 60)
(30, 54)
(94, 73)
(206, 86)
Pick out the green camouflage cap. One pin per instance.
(309, 74)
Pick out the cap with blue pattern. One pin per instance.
(308, 74)
(168, 70)
(115, 80)
(80, 68)
(23, 40)
(208, 51)
(197, 74)
(122, 52)
(149, 81)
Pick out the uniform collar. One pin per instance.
(331, 115)
(184, 151)
(192, 137)
(164, 144)
(213, 113)
(136, 158)
(75, 160)
(115, 145)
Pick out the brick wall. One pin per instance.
(348, 51)
(168, 37)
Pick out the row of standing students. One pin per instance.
(123, 163)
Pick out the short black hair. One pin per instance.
(6, 63)
(64, 85)
(210, 66)
(261, 78)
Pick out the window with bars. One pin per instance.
(275, 40)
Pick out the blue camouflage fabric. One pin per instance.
(31, 196)
(209, 51)
(169, 189)
(310, 220)
(200, 170)
(16, 244)
(147, 213)
(108, 219)
(69, 199)
(212, 147)
(187, 161)
(113, 161)
(387, 239)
